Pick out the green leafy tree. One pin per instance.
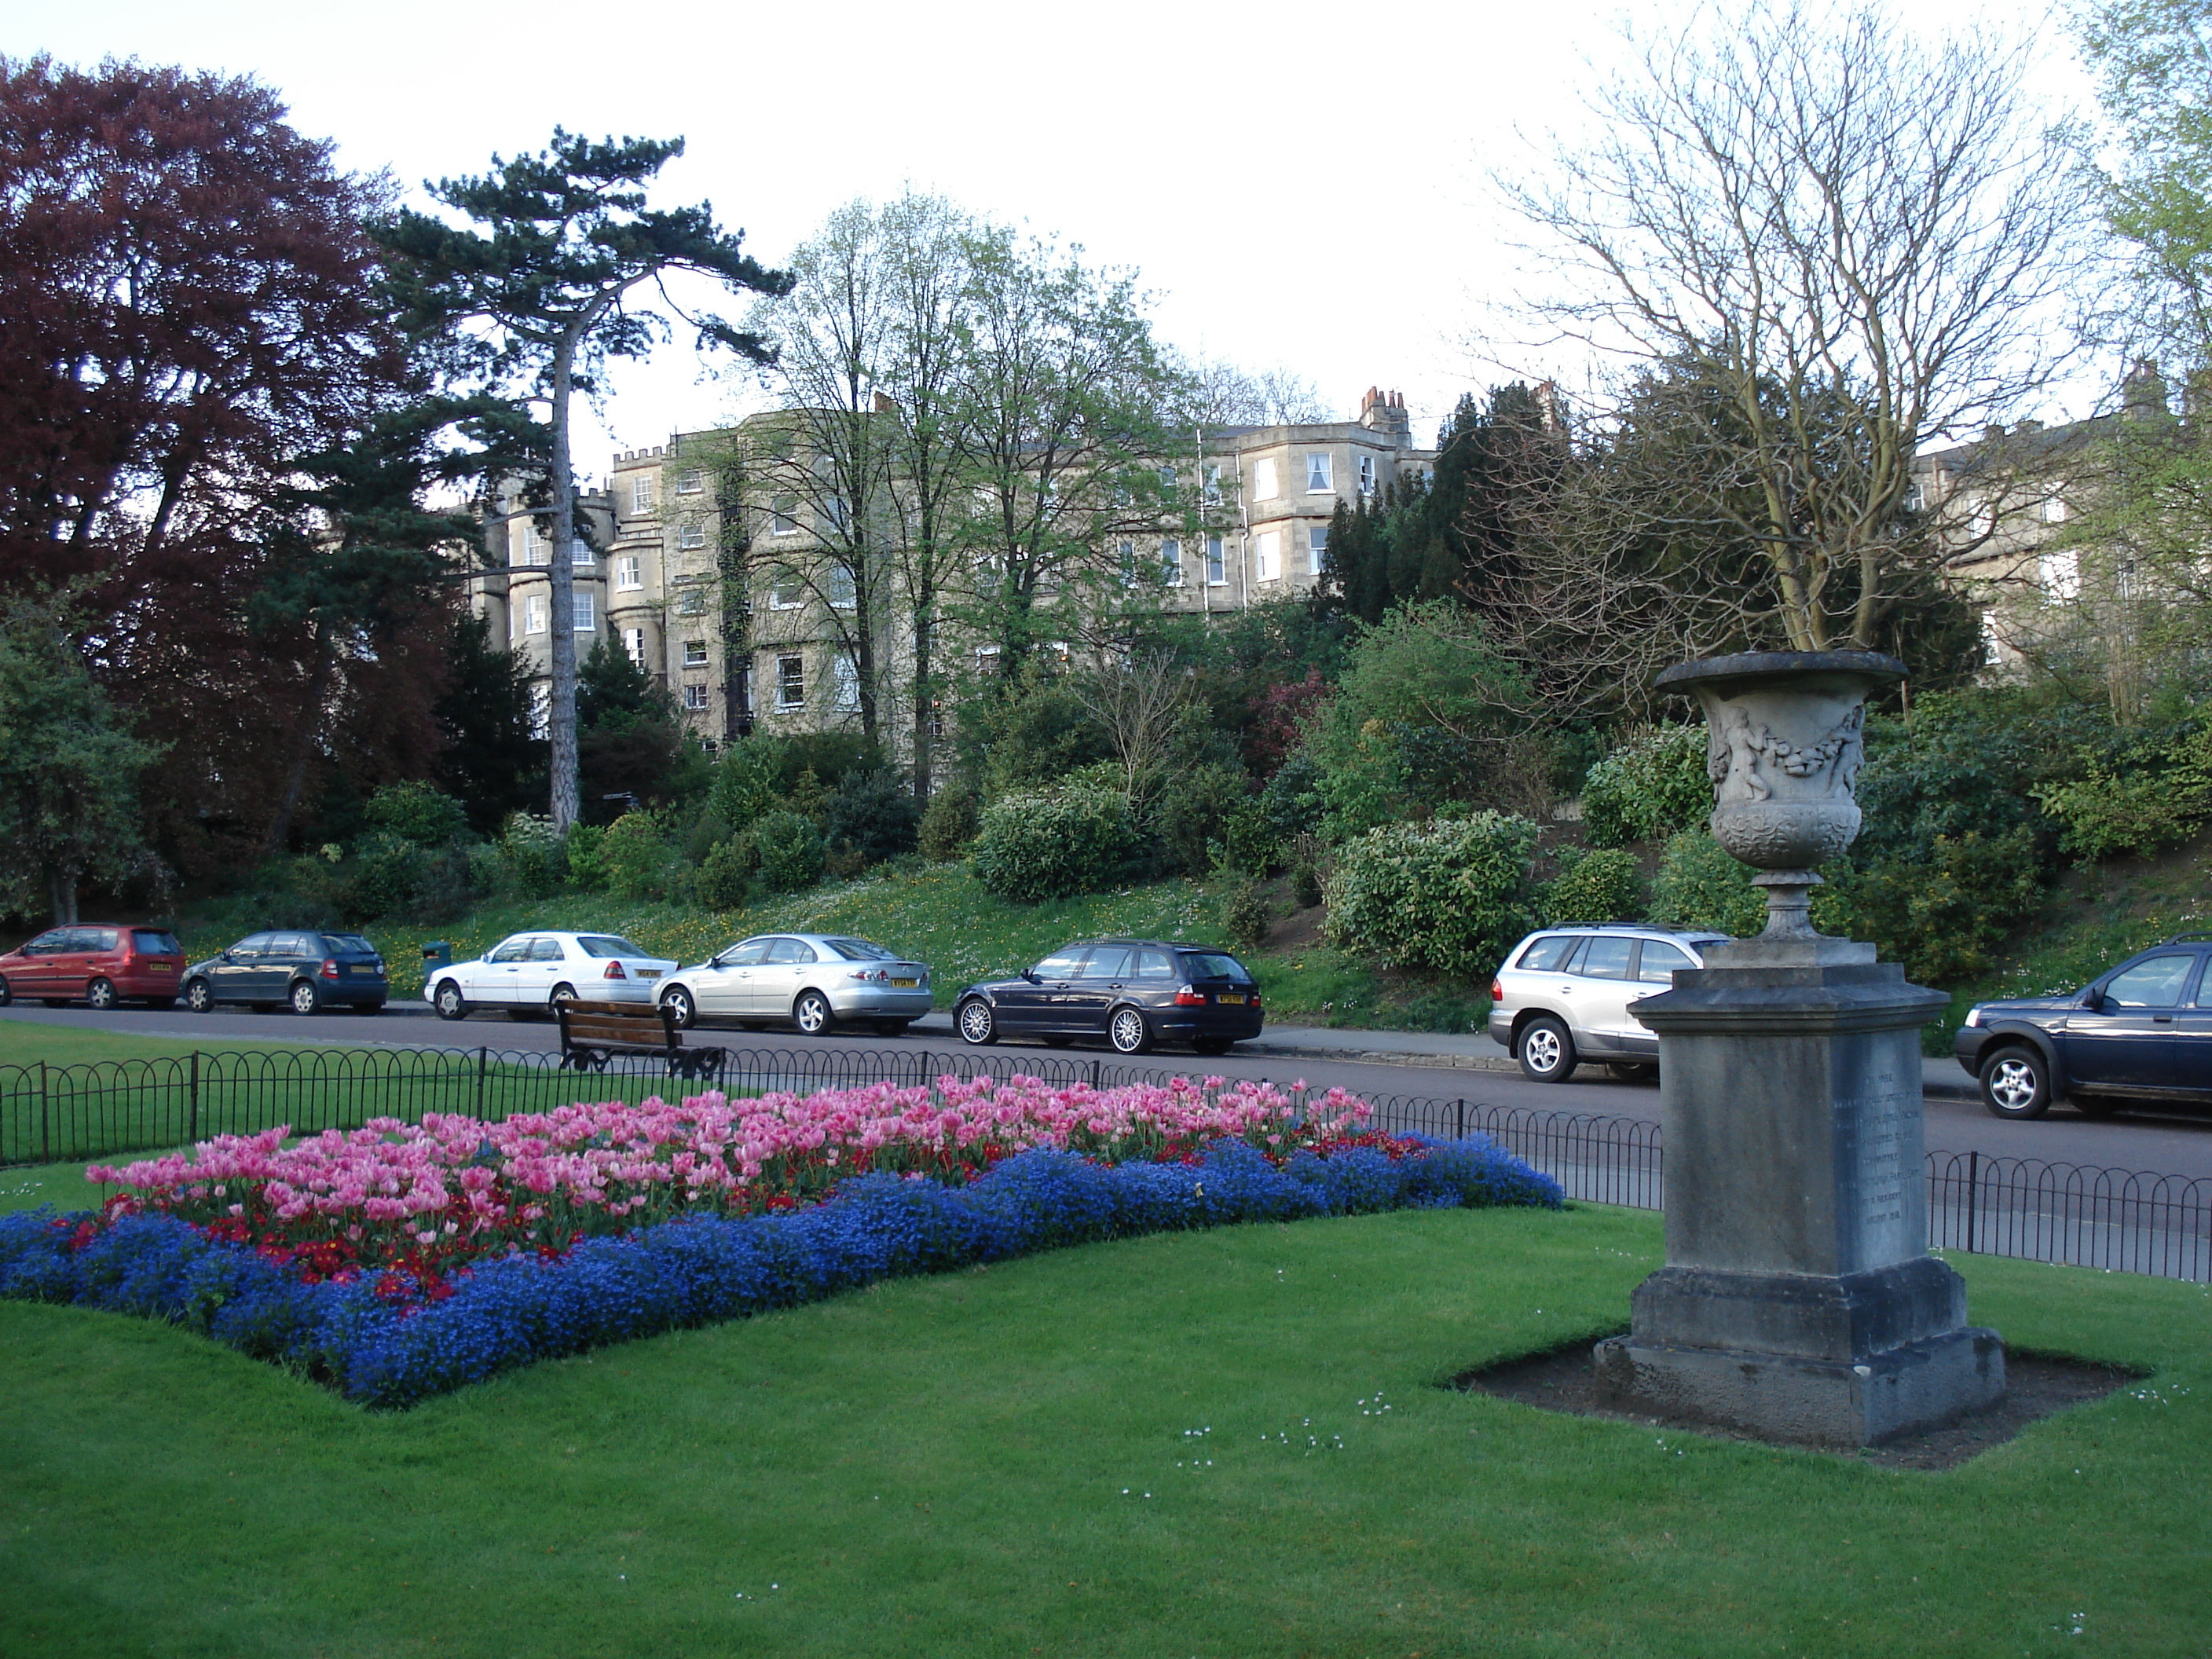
(69, 768)
(490, 761)
(543, 295)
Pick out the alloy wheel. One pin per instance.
(2013, 1084)
(976, 1023)
(1128, 1032)
(813, 1013)
(100, 994)
(199, 996)
(679, 1005)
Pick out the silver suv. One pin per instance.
(1564, 992)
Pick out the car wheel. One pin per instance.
(2015, 1083)
(100, 993)
(1211, 1045)
(449, 1002)
(892, 1027)
(6, 995)
(977, 1024)
(560, 993)
(1129, 1031)
(305, 999)
(2095, 1105)
(199, 997)
(682, 1012)
(1547, 1050)
(811, 1013)
(1633, 1071)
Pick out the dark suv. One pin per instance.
(305, 970)
(2142, 1030)
(1133, 992)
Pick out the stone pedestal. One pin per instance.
(1798, 1300)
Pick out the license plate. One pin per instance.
(909, 984)
(1238, 1000)
(648, 972)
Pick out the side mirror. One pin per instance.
(1030, 974)
(2093, 1001)
(227, 957)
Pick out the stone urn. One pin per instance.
(1784, 741)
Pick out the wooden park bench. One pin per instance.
(594, 1033)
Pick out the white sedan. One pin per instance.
(815, 981)
(531, 972)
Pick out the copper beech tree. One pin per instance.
(187, 307)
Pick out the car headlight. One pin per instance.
(1973, 1015)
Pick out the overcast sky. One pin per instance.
(1299, 184)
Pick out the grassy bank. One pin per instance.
(1171, 1446)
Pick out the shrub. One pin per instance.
(2154, 792)
(1305, 884)
(587, 870)
(791, 854)
(1035, 846)
(1291, 800)
(1602, 885)
(1452, 896)
(532, 861)
(1195, 812)
(725, 875)
(1249, 842)
(1651, 787)
(635, 859)
(874, 816)
(1701, 885)
(1246, 916)
(746, 781)
(1942, 914)
(949, 823)
(414, 811)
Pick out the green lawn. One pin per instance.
(1166, 1446)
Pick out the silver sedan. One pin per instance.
(815, 981)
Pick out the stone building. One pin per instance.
(730, 605)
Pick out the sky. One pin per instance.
(1299, 185)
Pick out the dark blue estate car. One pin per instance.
(2141, 1031)
(303, 970)
(1134, 992)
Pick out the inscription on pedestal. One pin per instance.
(1880, 1159)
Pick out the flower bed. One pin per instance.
(1022, 1168)
(413, 1203)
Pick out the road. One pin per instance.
(2168, 1144)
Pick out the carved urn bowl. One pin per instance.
(1784, 746)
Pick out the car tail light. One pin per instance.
(873, 974)
(614, 971)
(331, 967)
(1498, 990)
(1186, 997)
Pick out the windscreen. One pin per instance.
(148, 943)
(609, 945)
(862, 950)
(1213, 964)
(348, 944)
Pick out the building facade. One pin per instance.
(730, 595)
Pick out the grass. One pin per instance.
(941, 914)
(1123, 1449)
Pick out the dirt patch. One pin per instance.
(1297, 931)
(2037, 1385)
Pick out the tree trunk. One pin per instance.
(304, 728)
(561, 701)
(61, 892)
(925, 698)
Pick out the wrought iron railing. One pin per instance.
(2127, 1221)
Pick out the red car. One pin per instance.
(98, 964)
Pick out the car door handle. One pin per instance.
(2161, 1020)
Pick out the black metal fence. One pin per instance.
(2114, 1218)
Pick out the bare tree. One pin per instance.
(1139, 700)
(1222, 394)
(1856, 243)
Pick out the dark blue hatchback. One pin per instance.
(1134, 992)
(2140, 1031)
